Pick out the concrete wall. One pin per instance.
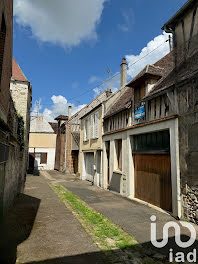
(42, 140)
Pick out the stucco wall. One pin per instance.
(128, 187)
(38, 140)
(91, 144)
(50, 158)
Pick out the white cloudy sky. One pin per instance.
(71, 22)
(67, 23)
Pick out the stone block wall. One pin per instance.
(190, 204)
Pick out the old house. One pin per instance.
(42, 145)
(21, 92)
(140, 142)
(91, 155)
(182, 86)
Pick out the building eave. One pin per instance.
(173, 20)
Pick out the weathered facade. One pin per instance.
(21, 92)
(140, 142)
(11, 149)
(159, 126)
(184, 82)
(42, 145)
(91, 146)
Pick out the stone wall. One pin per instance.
(190, 204)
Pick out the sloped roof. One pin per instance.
(54, 127)
(61, 117)
(147, 71)
(17, 73)
(160, 68)
(40, 125)
(185, 69)
(124, 102)
(173, 20)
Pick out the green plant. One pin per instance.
(20, 132)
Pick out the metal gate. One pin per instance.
(89, 166)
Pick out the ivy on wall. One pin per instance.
(20, 132)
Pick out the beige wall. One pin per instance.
(38, 140)
(91, 144)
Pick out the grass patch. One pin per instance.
(118, 245)
(106, 234)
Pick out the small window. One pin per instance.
(43, 158)
(119, 153)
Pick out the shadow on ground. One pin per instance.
(16, 226)
(144, 253)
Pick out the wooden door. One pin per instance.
(31, 162)
(153, 179)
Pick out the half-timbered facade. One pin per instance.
(140, 141)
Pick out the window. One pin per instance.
(86, 130)
(43, 158)
(119, 153)
(95, 125)
(156, 141)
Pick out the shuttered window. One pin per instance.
(92, 125)
(86, 130)
(43, 158)
(97, 125)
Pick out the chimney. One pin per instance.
(123, 73)
(69, 111)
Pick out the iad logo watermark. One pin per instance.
(179, 256)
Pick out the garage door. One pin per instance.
(89, 163)
(153, 169)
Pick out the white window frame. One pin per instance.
(86, 129)
(96, 128)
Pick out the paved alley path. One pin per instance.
(132, 216)
(56, 237)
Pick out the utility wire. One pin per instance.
(118, 73)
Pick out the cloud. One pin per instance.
(129, 20)
(59, 107)
(75, 85)
(160, 52)
(93, 79)
(63, 22)
(113, 83)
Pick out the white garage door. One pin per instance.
(89, 163)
